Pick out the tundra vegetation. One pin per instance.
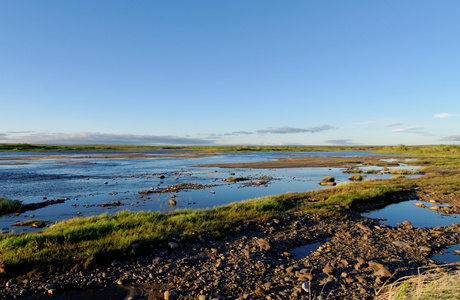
(8, 205)
(81, 242)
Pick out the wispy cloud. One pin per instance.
(341, 142)
(103, 138)
(287, 129)
(452, 138)
(393, 125)
(241, 132)
(408, 129)
(281, 130)
(412, 129)
(446, 115)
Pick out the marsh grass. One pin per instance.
(403, 172)
(440, 282)
(8, 206)
(84, 240)
(355, 177)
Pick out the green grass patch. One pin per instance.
(9, 206)
(355, 177)
(403, 172)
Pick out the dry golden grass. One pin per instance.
(438, 282)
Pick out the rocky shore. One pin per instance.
(356, 258)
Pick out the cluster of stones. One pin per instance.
(254, 260)
(176, 188)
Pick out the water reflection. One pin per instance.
(418, 216)
(89, 183)
(449, 255)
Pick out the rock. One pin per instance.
(420, 204)
(201, 297)
(407, 224)
(259, 292)
(400, 244)
(435, 208)
(379, 269)
(11, 282)
(173, 245)
(328, 270)
(457, 252)
(172, 202)
(51, 292)
(349, 280)
(170, 295)
(425, 249)
(263, 244)
(363, 227)
(157, 260)
(305, 287)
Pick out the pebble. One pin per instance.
(305, 287)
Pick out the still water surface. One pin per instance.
(89, 181)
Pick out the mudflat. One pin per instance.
(307, 161)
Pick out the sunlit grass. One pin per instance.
(8, 206)
(440, 282)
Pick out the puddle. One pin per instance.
(449, 255)
(306, 250)
(418, 216)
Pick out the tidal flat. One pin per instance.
(244, 249)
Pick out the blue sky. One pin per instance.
(230, 72)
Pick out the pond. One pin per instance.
(418, 216)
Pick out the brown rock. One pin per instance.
(379, 269)
(263, 244)
(328, 270)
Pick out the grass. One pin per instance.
(9, 206)
(440, 282)
(403, 172)
(355, 177)
(86, 240)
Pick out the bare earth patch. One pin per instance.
(301, 162)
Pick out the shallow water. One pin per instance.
(88, 181)
(448, 255)
(419, 217)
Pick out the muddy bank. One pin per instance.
(318, 161)
(255, 261)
